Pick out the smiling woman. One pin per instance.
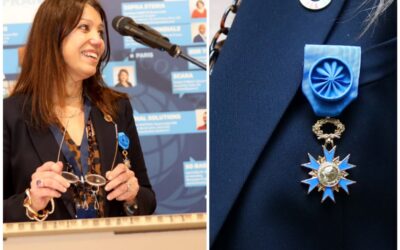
(61, 125)
(84, 46)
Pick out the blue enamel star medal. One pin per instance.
(330, 83)
(328, 173)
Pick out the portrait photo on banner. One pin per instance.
(198, 9)
(199, 32)
(124, 76)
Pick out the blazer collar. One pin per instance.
(257, 74)
(106, 138)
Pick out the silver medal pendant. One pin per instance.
(328, 173)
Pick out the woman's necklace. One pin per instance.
(61, 112)
(63, 115)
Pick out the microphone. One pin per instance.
(144, 34)
(150, 37)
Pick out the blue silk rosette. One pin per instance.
(330, 77)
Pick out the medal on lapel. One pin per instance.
(330, 83)
(123, 142)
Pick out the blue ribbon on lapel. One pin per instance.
(330, 77)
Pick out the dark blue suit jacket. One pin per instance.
(26, 148)
(260, 132)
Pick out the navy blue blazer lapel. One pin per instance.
(105, 136)
(257, 74)
(46, 148)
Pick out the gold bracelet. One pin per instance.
(31, 213)
(37, 216)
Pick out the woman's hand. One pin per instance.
(47, 183)
(123, 184)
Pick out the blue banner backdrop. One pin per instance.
(168, 95)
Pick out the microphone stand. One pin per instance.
(193, 60)
(175, 51)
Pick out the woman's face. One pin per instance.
(84, 46)
(200, 5)
(123, 76)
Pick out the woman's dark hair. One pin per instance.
(43, 70)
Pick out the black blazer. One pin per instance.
(261, 132)
(26, 148)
